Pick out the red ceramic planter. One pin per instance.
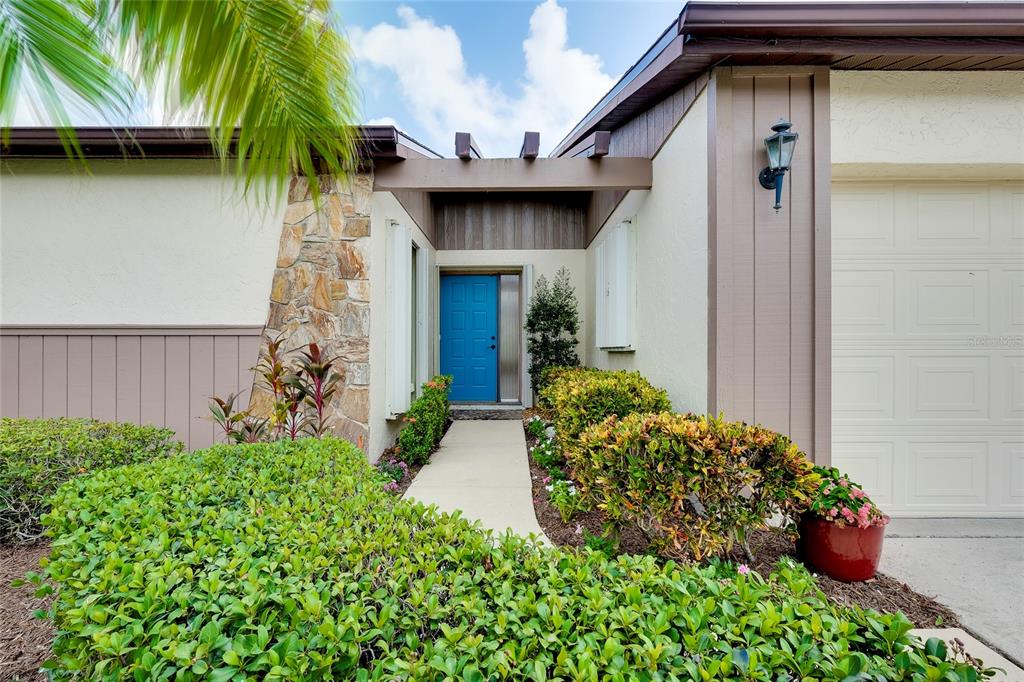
(846, 553)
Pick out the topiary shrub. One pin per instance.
(288, 561)
(424, 422)
(38, 455)
(581, 397)
(552, 322)
(695, 485)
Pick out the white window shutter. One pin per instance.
(399, 306)
(601, 295)
(616, 273)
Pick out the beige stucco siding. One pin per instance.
(671, 269)
(385, 209)
(897, 120)
(162, 242)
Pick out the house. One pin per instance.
(876, 316)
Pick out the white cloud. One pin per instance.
(559, 86)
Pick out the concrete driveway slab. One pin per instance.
(973, 566)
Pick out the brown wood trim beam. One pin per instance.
(465, 147)
(531, 146)
(512, 175)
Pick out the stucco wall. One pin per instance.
(671, 270)
(384, 208)
(907, 118)
(136, 242)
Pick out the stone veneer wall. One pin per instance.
(321, 292)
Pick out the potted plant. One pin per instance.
(842, 531)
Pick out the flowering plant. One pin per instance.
(844, 502)
(565, 498)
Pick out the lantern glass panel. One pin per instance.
(773, 145)
(787, 145)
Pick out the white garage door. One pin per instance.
(928, 344)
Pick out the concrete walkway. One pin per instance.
(973, 566)
(482, 469)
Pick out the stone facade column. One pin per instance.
(321, 292)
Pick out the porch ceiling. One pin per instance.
(514, 175)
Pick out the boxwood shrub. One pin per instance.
(695, 485)
(424, 422)
(38, 455)
(581, 396)
(288, 561)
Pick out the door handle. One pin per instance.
(492, 346)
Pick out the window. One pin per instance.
(615, 288)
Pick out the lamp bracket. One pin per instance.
(767, 177)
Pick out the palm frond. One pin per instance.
(61, 48)
(277, 69)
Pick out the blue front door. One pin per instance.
(469, 336)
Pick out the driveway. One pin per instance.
(973, 566)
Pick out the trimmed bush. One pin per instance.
(38, 455)
(287, 561)
(424, 422)
(582, 397)
(695, 485)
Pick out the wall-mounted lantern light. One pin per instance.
(779, 145)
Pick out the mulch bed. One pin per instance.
(24, 639)
(882, 593)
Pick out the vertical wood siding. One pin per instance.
(770, 277)
(499, 220)
(163, 377)
(643, 136)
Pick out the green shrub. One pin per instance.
(552, 322)
(38, 455)
(695, 485)
(287, 561)
(565, 497)
(581, 397)
(424, 422)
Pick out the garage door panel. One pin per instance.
(947, 474)
(947, 301)
(863, 218)
(947, 388)
(928, 344)
(870, 463)
(864, 388)
(942, 218)
(862, 301)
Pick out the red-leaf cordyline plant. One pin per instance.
(222, 411)
(302, 392)
(318, 379)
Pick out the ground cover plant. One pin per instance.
(38, 455)
(289, 561)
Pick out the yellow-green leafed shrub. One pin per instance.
(695, 485)
(38, 455)
(288, 561)
(582, 397)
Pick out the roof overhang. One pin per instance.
(842, 35)
(514, 175)
(375, 143)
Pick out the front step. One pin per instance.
(491, 412)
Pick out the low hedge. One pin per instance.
(581, 396)
(38, 455)
(288, 561)
(695, 485)
(424, 422)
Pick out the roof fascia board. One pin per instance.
(512, 175)
(837, 46)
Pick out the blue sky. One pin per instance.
(494, 68)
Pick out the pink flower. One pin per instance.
(843, 482)
(856, 493)
(743, 569)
